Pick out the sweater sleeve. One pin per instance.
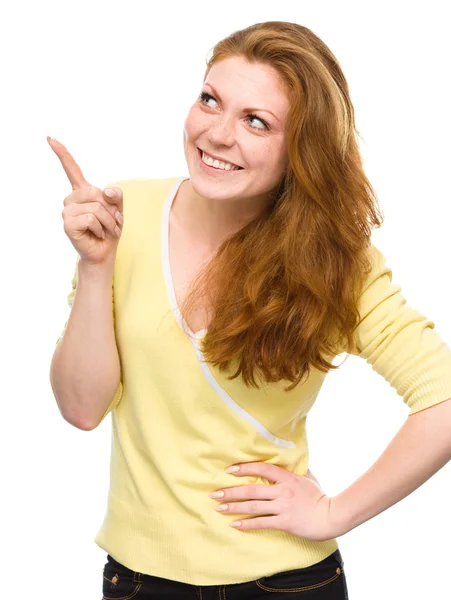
(399, 342)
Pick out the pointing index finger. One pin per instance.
(71, 168)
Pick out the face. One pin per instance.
(239, 118)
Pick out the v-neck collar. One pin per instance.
(166, 266)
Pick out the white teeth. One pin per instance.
(217, 163)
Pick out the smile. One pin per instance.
(216, 164)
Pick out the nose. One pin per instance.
(221, 132)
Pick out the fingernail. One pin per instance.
(119, 217)
(216, 494)
(233, 469)
(108, 192)
(118, 231)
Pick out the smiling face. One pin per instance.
(240, 118)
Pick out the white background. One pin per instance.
(113, 81)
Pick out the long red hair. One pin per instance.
(282, 291)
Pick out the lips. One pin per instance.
(220, 159)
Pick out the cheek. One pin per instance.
(277, 153)
(189, 125)
(271, 159)
(195, 123)
(264, 154)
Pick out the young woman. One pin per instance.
(206, 312)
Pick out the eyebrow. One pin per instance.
(216, 93)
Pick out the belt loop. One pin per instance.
(136, 577)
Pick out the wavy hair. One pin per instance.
(282, 291)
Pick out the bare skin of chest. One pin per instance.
(186, 258)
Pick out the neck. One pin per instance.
(212, 221)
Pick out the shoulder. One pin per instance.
(377, 266)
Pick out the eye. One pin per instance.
(203, 96)
(206, 97)
(252, 116)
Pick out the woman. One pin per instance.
(232, 292)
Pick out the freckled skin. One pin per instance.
(217, 124)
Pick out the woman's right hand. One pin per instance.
(90, 219)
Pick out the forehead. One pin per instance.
(254, 82)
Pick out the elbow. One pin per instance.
(70, 417)
(79, 423)
(84, 425)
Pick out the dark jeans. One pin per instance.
(324, 580)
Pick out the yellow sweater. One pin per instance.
(178, 422)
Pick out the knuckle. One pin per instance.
(289, 492)
(92, 192)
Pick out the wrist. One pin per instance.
(340, 523)
(103, 270)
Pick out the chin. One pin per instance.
(208, 189)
